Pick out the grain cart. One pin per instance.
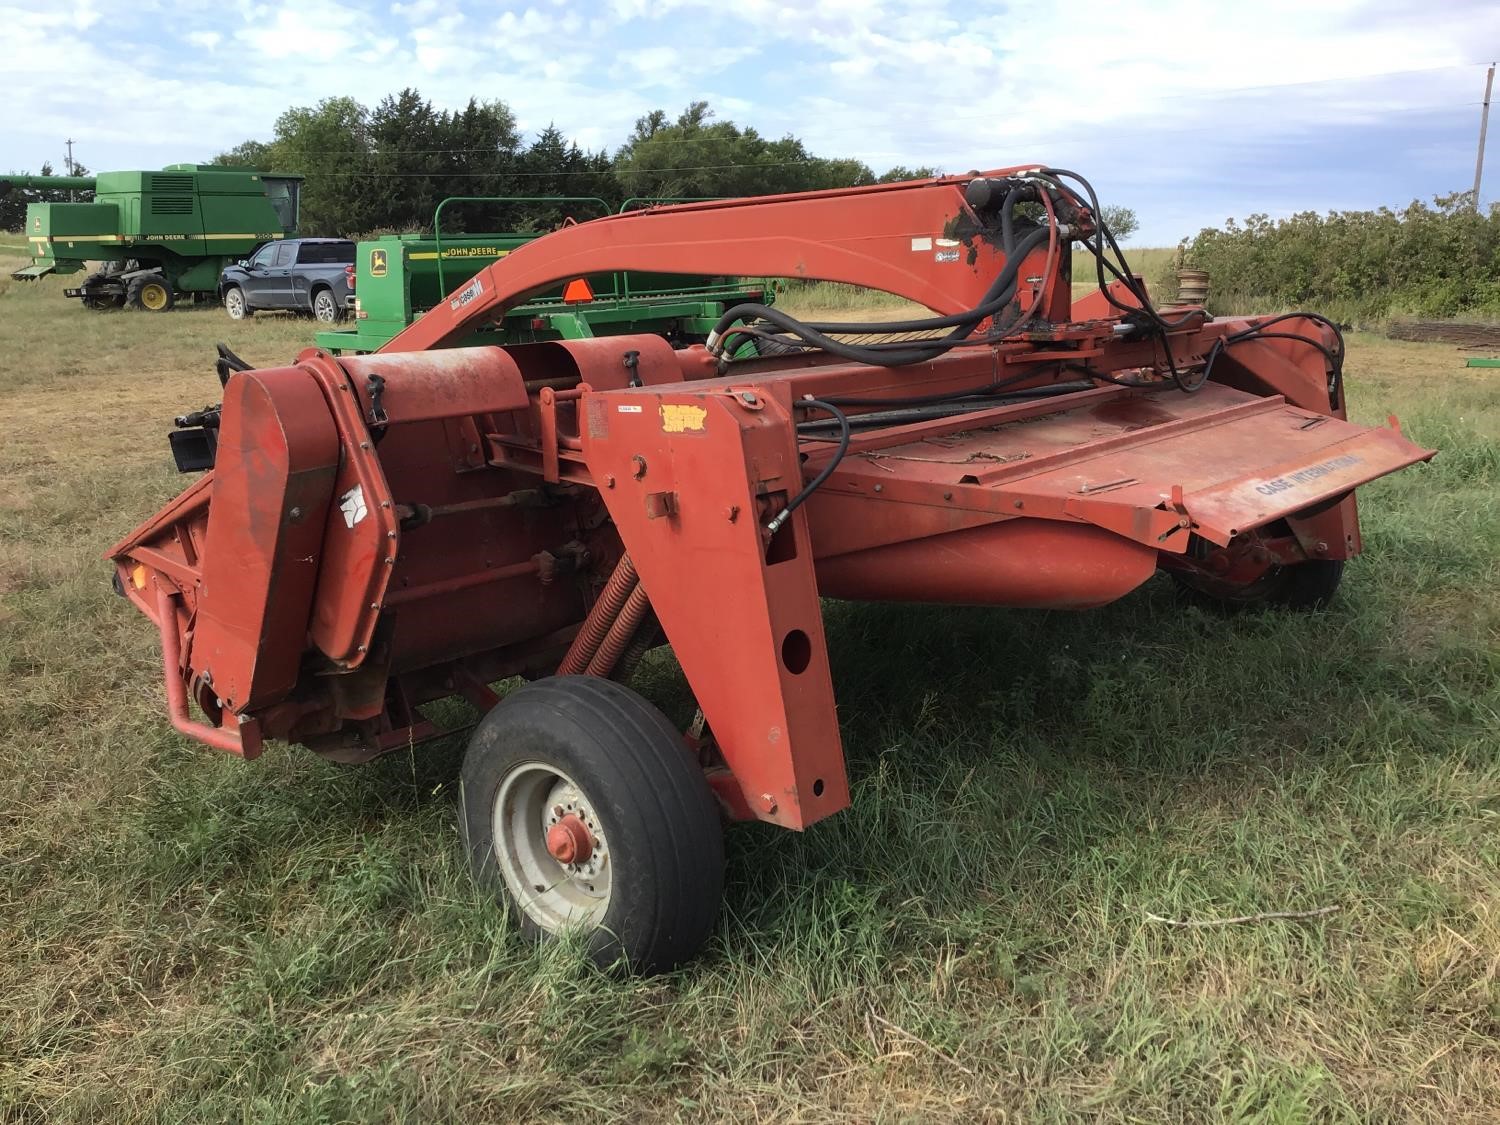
(156, 236)
(383, 531)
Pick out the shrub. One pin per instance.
(1433, 260)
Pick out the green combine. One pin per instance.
(154, 237)
(399, 277)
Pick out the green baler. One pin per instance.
(156, 235)
(399, 277)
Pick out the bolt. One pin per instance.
(1320, 548)
(732, 512)
(1020, 504)
(749, 396)
(767, 803)
(390, 535)
(609, 480)
(880, 488)
(363, 648)
(947, 496)
(295, 514)
(389, 561)
(374, 605)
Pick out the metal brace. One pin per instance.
(375, 387)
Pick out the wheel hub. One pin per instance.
(568, 841)
(551, 847)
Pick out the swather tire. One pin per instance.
(1302, 586)
(150, 293)
(652, 807)
(236, 305)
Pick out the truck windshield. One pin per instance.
(326, 253)
(285, 195)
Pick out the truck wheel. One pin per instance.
(583, 804)
(325, 308)
(150, 292)
(1306, 585)
(235, 304)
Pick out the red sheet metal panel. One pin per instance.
(278, 454)
(1233, 460)
(744, 623)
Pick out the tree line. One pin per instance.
(386, 168)
(1431, 260)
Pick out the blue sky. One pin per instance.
(1189, 112)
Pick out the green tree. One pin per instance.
(699, 156)
(902, 172)
(1121, 221)
(329, 143)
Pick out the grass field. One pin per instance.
(190, 938)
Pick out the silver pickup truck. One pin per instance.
(308, 275)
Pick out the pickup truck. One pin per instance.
(308, 275)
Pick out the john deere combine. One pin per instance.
(156, 236)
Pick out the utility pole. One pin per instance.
(72, 198)
(1484, 124)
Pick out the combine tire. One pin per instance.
(235, 304)
(324, 307)
(150, 292)
(104, 300)
(584, 806)
(1304, 586)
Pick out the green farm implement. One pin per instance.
(400, 277)
(156, 236)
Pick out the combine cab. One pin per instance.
(382, 531)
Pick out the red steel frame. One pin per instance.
(381, 531)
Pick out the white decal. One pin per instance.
(921, 244)
(467, 294)
(946, 256)
(352, 505)
(947, 242)
(628, 409)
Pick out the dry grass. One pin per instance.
(187, 937)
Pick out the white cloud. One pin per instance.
(1160, 92)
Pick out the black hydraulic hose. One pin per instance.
(950, 408)
(1334, 356)
(904, 354)
(823, 474)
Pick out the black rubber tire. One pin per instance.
(141, 290)
(329, 312)
(100, 304)
(666, 842)
(1304, 586)
(236, 304)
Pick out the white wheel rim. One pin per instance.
(531, 800)
(236, 303)
(324, 307)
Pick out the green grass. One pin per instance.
(188, 937)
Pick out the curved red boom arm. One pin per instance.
(918, 240)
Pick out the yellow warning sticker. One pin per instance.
(679, 418)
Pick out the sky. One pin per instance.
(1187, 112)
